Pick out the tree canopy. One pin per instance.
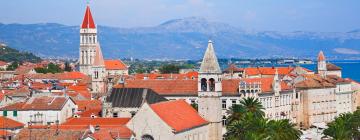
(247, 122)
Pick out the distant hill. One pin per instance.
(8, 54)
(182, 39)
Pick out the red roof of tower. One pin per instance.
(88, 21)
(321, 56)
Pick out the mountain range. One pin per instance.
(181, 39)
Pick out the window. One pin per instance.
(233, 102)
(212, 84)
(192, 101)
(203, 84)
(14, 113)
(4, 113)
(224, 104)
(224, 121)
(115, 115)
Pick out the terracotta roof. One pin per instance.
(88, 21)
(267, 70)
(86, 121)
(6, 123)
(5, 133)
(88, 104)
(332, 67)
(50, 134)
(99, 59)
(115, 65)
(231, 86)
(59, 76)
(38, 103)
(165, 87)
(233, 68)
(189, 75)
(2, 63)
(189, 87)
(178, 114)
(321, 56)
(23, 70)
(314, 81)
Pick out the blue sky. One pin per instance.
(276, 15)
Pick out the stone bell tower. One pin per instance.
(210, 91)
(88, 42)
(321, 64)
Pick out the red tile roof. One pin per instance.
(178, 114)
(315, 81)
(332, 67)
(6, 123)
(152, 76)
(88, 21)
(59, 76)
(231, 86)
(5, 133)
(267, 70)
(233, 68)
(87, 104)
(39, 103)
(2, 63)
(115, 65)
(96, 121)
(166, 87)
(189, 87)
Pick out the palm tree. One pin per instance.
(341, 127)
(247, 122)
(254, 106)
(246, 105)
(282, 130)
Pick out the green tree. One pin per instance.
(51, 68)
(247, 122)
(171, 68)
(195, 106)
(345, 126)
(13, 66)
(282, 130)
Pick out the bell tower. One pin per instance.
(210, 91)
(98, 75)
(321, 64)
(88, 42)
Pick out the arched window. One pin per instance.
(147, 137)
(212, 84)
(203, 84)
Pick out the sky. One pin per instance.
(258, 15)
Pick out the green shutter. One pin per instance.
(14, 113)
(4, 113)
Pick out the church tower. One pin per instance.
(276, 84)
(98, 72)
(210, 91)
(88, 42)
(321, 64)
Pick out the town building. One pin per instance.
(40, 110)
(175, 120)
(125, 102)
